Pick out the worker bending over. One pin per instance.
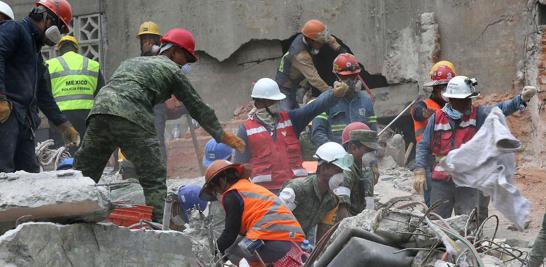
(252, 212)
(123, 116)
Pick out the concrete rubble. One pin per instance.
(60, 196)
(49, 244)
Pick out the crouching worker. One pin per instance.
(269, 232)
(311, 198)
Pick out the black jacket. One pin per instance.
(23, 74)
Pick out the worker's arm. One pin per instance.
(320, 129)
(233, 205)
(302, 116)
(201, 112)
(242, 157)
(343, 191)
(288, 197)
(9, 40)
(422, 152)
(507, 107)
(417, 111)
(45, 99)
(303, 62)
(100, 83)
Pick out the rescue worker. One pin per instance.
(188, 200)
(311, 198)
(355, 106)
(6, 13)
(440, 74)
(252, 212)
(123, 115)
(75, 81)
(273, 151)
(23, 84)
(297, 64)
(449, 128)
(538, 252)
(215, 151)
(361, 142)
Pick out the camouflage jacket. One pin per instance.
(311, 206)
(141, 83)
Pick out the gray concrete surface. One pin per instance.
(62, 196)
(239, 41)
(48, 244)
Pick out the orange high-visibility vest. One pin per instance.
(265, 217)
(419, 126)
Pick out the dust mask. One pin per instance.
(335, 181)
(273, 109)
(155, 50)
(52, 36)
(186, 68)
(314, 51)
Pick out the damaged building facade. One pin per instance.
(238, 42)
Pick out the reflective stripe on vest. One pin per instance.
(274, 161)
(283, 72)
(74, 80)
(264, 216)
(444, 139)
(419, 126)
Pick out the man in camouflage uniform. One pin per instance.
(536, 257)
(310, 198)
(123, 116)
(359, 182)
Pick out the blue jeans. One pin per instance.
(17, 146)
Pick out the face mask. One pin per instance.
(452, 113)
(186, 68)
(155, 49)
(335, 180)
(265, 116)
(52, 36)
(314, 51)
(273, 109)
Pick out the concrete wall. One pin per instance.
(239, 40)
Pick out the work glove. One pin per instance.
(527, 93)
(234, 142)
(70, 135)
(5, 110)
(419, 180)
(340, 88)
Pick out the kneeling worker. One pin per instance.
(253, 212)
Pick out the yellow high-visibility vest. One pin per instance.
(74, 80)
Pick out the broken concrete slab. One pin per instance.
(385, 191)
(49, 244)
(59, 196)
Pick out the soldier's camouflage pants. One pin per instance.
(104, 134)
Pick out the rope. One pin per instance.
(48, 157)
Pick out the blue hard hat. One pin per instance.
(188, 198)
(215, 151)
(66, 164)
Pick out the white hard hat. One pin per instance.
(6, 10)
(334, 153)
(461, 87)
(266, 88)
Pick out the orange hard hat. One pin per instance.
(62, 9)
(441, 75)
(346, 64)
(345, 135)
(213, 171)
(181, 38)
(315, 30)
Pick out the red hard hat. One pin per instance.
(61, 8)
(351, 127)
(181, 38)
(346, 64)
(441, 76)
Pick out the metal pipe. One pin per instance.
(399, 115)
(195, 144)
(167, 212)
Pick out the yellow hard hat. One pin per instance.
(148, 27)
(441, 63)
(68, 38)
